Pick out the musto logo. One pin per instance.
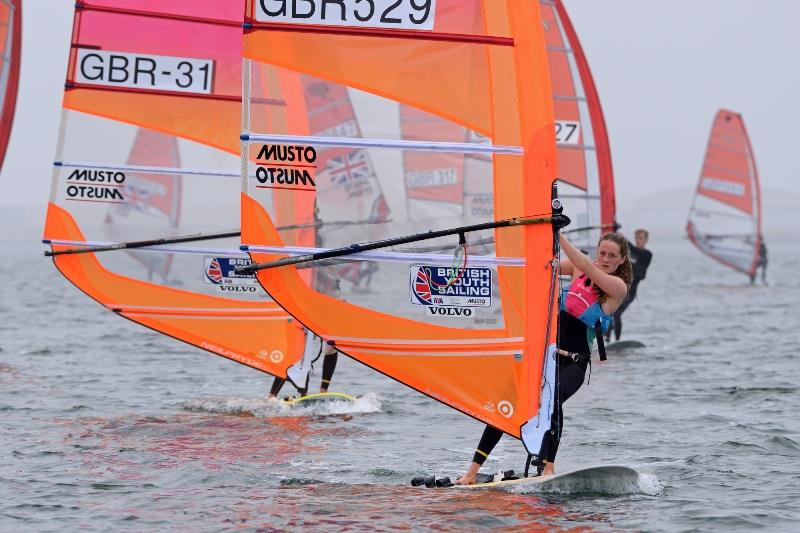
(505, 408)
(221, 272)
(286, 167)
(450, 292)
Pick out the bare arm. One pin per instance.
(613, 286)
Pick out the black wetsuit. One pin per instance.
(640, 259)
(326, 282)
(569, 378)
(762, 263)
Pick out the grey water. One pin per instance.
(105, 425)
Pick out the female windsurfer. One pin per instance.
(597, 290)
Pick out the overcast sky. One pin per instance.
(663, 68)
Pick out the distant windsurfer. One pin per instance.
(762, 263)
(329, 360)
(326, 281)
(640, 258)
(597, 290)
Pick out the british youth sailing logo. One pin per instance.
(221, 272)
(447, 291)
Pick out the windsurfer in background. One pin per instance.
(326, 281)
(762, 263)
(597, 290)
(640, 257)
(329, 360)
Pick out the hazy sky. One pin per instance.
(662, 67)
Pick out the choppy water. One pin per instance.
(108, 426)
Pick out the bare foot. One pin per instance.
(549, 469)
(471, 477)
(467, 479)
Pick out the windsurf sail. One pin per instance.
(471, 326)
(584, 153)
(147, 162)
(725, 216)
(10, 48)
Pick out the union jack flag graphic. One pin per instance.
(348, 168)
(422, 287)
(214, 272)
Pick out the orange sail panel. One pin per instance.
(10, 49)
(725, 217)
(427, 84)
(584, 155)
(148, 150)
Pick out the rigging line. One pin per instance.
(558, 220)
(148, 170)
(423, 146)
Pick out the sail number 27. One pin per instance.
(397, 14)
(144, 71)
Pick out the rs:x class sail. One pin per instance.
(480, 67)
(147, 156)
(725, 216)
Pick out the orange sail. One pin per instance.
(584, 155)
(725, 217)
(473, 327)
(10, 49)
(147, 154)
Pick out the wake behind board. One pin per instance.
(319, 397)
(613, 479)
(624, 345)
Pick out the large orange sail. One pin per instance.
(148, 151)
(725, 217)
(584, 154)
(473, 327)
(10, 53)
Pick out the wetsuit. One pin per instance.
(327, 282)
(579, 311)
(640, 259)
(762, 262)
(328, 367)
